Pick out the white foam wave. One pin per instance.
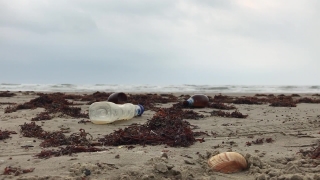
(155, 88)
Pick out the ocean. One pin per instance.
(154, 88)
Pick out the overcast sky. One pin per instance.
(160, 42)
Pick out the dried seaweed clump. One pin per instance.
(235, 114)
(315, 153)
(249, 100)
(75, 143)
(42, 116)
(43, 101)
(221, 106)
(166, 127)
(55, 138)
(53, 103)
(185, 114)
(96, 97)
(6, 94)
(6, 134)
(260, 95)
(282, 101)
(295, 95)
(222, 99)
(16, 170)
(149, 100)
(308, 100)
(68, 150)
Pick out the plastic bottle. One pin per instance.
(197, 100)
(118, 98)
(108, 112)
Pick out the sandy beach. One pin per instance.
(278, 142)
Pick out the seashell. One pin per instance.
(228, 162)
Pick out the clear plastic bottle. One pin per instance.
(108, 112)
(197, 100)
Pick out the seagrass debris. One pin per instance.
(55, 138)
(221, 99)
(6, 94)
(249, 100)
(219, 105)
(59, 104)
(315, 153)
(16, 171)
(54, 103)
(235, 114)
(295, 95)
(165, 127)
(7, 103)
(260, 95)
(276, 101)
(308, 100)
(68, 150)
(75, 143)
(148, 101)
(6, 134)
(259, 141)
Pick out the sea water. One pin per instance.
(160, 88)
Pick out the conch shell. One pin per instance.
(228, 162)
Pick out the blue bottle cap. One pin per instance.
(141, 110)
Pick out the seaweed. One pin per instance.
(315, 152)
(295, 95)
(166, 127)
(282, 101)
(149, 100)
(16, 170)
(222, 99)
(95, 97)
(258, 141)
(6, 94)
(308, 100)
(6, 134)
(75, 143)
(53, 103)
(221, 106)
(58, 103)
(249, 100)
(56, 138)
(235, 114)
(260, 95)
(68, 150)
(42, 116)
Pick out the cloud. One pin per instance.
(183, 40)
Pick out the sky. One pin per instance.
(160, 42)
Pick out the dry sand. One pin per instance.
(291, 128)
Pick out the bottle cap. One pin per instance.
(141, 110)
(185, 103)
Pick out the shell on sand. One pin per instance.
(228, 162)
